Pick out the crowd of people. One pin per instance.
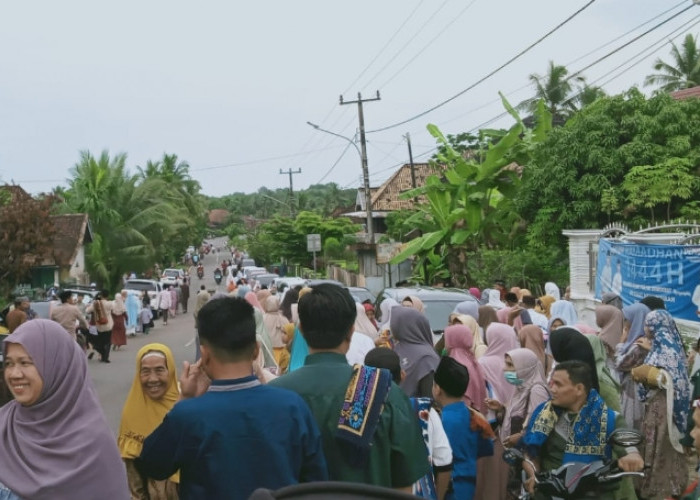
(304, 385)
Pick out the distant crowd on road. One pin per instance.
(299, 386)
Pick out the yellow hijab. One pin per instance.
(141, 414)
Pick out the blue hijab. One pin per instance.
(635, 315)
(667, 352)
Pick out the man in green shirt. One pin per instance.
(395, 455)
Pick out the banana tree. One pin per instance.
(470, 204)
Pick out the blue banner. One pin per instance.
(633, 271)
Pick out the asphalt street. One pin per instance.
(114, 380)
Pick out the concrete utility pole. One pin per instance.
(413, 168)
(291, 172)
(365, 169)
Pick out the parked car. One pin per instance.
(439, 303)
(247, 262)
(89, 294)
(152, 287)
(361, 294)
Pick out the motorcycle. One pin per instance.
(577, 480)
(217, 276)
(200, 271)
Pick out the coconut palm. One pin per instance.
(683, 72)
(557, 90)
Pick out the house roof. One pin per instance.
(16, 192)
(72, 231)
(686, 93)
(386, 198)
(217, 216)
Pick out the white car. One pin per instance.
(172, 277)
(151, 287)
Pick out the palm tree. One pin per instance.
(556, 90)
(683, 72)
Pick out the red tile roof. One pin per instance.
(686, 93)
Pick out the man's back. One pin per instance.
(66, 315)
(237, 437)
(397, 457)
(15, 318)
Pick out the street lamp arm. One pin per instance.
(317, 127)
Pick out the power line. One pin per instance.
(489, 75)
(629, 42)
(425, 47)
(403, 47)
(381, 51)
(335, 164)
(261, 160)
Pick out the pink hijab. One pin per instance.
(458, 341)
(252, 299)
(500, 339)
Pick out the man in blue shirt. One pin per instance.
(230, 434)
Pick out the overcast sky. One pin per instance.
(228, 86)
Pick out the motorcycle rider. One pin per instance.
(200, 270)
(573, 426)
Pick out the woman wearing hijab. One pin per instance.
(478, 345)
(153, 393)
(54, 438)
(665, 389)
(385, 308)
(364, 325)
(414, 302)
(369, 311)
(459, 340)
(495, 300)
(565, 310)
(629, 355)
(118, 337)
(132, 312)
(274, 325)
(476, 293)
(487, 315)
(551, 289)
(299, 349)
(414, 345)
(173, 301)
(609, 386)
(610, 321)
(266, 358)
(532, 338)
(500, 339)
(544, 305)
(468, 307)
(567, 343)
(290, 297)
(492, 472)
(611, 299)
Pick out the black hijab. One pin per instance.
(568, 344)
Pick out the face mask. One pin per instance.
(512, 378)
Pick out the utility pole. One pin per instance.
(413, 168)
(365, 169)
(291, 172)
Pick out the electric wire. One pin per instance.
(430, 42)
(489, 75)
(260, 160)
(335, 164)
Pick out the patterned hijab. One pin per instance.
(459, 342)
(60, 446)
(414, 346)
(667, 352)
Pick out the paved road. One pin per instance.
(113, 380)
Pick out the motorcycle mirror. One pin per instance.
(625, 437)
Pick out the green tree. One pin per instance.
(574, 172)
(682, 72)
(556, 88)
(472, 203)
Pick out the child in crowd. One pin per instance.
(469, 434)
